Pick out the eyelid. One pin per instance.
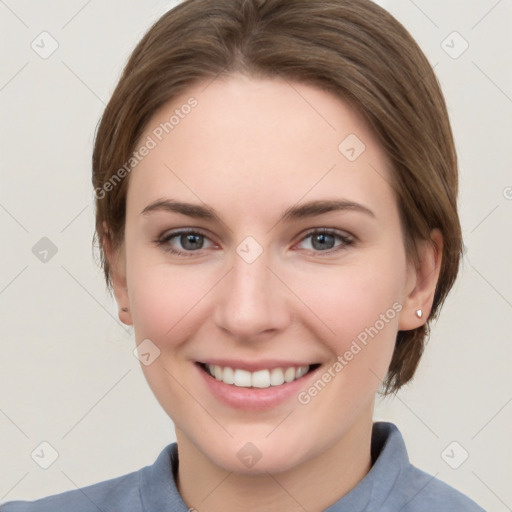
(171, 233)
(346, 238)
(331, 231)
(164, 239)
(345, 235)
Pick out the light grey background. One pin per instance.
(68, 374)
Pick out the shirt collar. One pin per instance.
(390, 459)
(158, 488)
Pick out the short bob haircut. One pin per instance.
(351, 48)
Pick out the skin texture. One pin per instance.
(251, 149)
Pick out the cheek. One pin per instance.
(167, 304)
(164, 298)
(359, 305)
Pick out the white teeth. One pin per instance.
(242, 378)
(276, 377)
(289, 374)
(258, 379)
(300, 372)
(228, 376)
(261, 379)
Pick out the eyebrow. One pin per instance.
(191, 210)
(313, 208)
(309, 209)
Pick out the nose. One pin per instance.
(251, 301)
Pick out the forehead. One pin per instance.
(245, 139)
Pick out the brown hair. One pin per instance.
(351, 48)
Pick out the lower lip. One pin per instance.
(254, 398)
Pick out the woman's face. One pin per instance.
(263, 240)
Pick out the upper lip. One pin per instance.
(254, 366)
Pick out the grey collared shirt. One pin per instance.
(393, 484)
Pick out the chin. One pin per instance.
(263, 462)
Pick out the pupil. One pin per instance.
(323, 241)
(191, 241)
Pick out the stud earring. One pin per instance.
(124, 310)
(419, 313)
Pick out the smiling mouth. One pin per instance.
(259, 379)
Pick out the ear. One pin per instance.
(117, 265)
(421, 282)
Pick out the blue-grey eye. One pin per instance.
(325, 241)
(322, 241)
(192, 241)
(184, 242)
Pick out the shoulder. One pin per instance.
(426, 492)
(400, 485)
(120, 493)
(106, 495)
(146, 488)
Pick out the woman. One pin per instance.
(276, 187)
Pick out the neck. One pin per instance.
(313, 485)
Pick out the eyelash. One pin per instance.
(164, 240)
